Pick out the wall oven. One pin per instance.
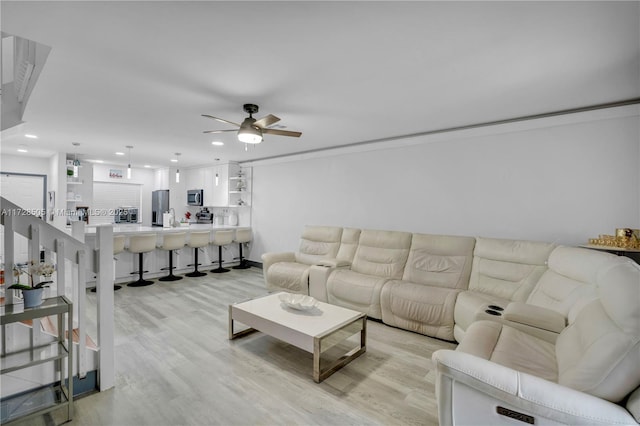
(126, 214)
(194, 197)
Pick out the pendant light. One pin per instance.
(177, 170)
(76, 162)
(129, 165)
(217, 178)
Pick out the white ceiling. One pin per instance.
(141, 73)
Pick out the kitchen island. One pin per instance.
(127, 262)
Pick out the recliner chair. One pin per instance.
(289, 271)
(499, 373)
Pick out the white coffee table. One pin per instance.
(314, 331)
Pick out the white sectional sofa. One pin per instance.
(537, 323)
(587, 376)
(289, 271)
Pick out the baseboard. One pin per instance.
(255, 264)
(86, 386)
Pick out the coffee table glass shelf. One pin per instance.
(42, 399)
(313, 330)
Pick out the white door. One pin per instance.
(27, 192)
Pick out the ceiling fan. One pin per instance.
(251, 130)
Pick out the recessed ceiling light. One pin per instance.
(147, 166)
(99, 161)
(217, 143)
(31, 136)
(119, 153)
(174, 160)
(22, 149)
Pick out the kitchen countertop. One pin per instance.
(139, 229)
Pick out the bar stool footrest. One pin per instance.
(170, 278)
(140, 283)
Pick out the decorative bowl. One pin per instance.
(301, 302)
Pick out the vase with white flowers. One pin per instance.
(32, 293)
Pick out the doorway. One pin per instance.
(27, 191)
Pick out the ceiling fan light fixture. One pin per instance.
(249, 135)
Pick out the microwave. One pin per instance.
(194, 197)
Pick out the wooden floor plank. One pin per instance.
(175, 366)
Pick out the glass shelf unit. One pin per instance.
(42, 399)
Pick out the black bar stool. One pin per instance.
(197, 240)
(141, 244)
(243, 236)
(221, 238)
(170, 242)
(118, 247)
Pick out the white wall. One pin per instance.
(20, 164)
(562, 180)
(143, 177)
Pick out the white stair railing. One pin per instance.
(61, 248)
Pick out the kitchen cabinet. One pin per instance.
(161, 179)
(220, 191)
(194, 178)
(41, 399)
(209, 183)
(223, 185)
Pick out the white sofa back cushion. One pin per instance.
(508, 269)
(318, 242)
(571, 276)
(382, 253)
(348, 244)
(440, 260)
(599, 352)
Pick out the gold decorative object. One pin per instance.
(626, 238)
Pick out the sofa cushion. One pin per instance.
(512, 348)
(418, 307)
(440, 260)
(571, 275)
(382, 253)
(633, 404)
(599, 352)
(356, 291)
(318, 242)
(348, 244)
(508, 269)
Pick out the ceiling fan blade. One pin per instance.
(220, 119)
(219, 131)
(282, 132)
(267, 121)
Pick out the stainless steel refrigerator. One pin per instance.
(159, 205)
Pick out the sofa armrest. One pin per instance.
(319, 275)
(334, 263)
(269, 259)
(535, 316)
(472, 390)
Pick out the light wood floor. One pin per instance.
(175, 366)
